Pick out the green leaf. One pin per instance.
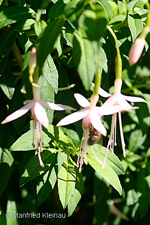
(24, 142)
(135, 25)
(7, 39)
(76, 195)
(107, 173)
(106, 5)
(112, 159)
(14, 14)
(47, 41)
(7, 83)
(117, 19)
(57, 134)
(6, 161)
(143, 186)
(50, 73)
(66, 182)
(39, 27)
(46, 183)
(10, 212)
(56, 10)
(101, 196)
(61, 158)
(2, 217)
(73, 10)
(33, 168)
(92, 20)
(25, 25)
(45, 3)
(47, 95)
(132, 197)
(1, 2)
(122, 8)
(136, 139)
(83, 57)
(103, 60)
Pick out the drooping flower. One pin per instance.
(38, 114)
(136, 50)
(120, 100)
(138, 46)
(91, 116)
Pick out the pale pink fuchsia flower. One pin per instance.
(120, 100)
(91, 116)
(136, 50)
(38, 114)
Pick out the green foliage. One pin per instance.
(71, 38)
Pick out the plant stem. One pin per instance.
(118, 66)
(97, 78)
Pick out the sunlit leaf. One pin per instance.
(33, 168)
(112, 159)
(24, 143)
(48, 39)
(83, 56)
(107, 173)
(66, 182)
(46, 183)
(10, 212)
(14, 14)
(76, 195)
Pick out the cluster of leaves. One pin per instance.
(68, 35)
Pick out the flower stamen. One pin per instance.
(39, 150)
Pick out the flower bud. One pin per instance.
(32, 61)
(136, 50)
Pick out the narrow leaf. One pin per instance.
(76, 195)
(14, 14)
(83, 56)
(24, 143)
(33, 168)
(107, 173)
(66, 182)
(10, 212)
(48, 39)
(46, 183)
(112, 159)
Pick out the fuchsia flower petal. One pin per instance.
(133, 99)
(110, 101)
(82, 101)
(40, 114)
(108, 110)
(124, 104)
(76, 116)
(97, 123)
(103, 93)
(20, 112)
(58, 107)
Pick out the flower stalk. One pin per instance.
(118, 64)
(97, 78)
